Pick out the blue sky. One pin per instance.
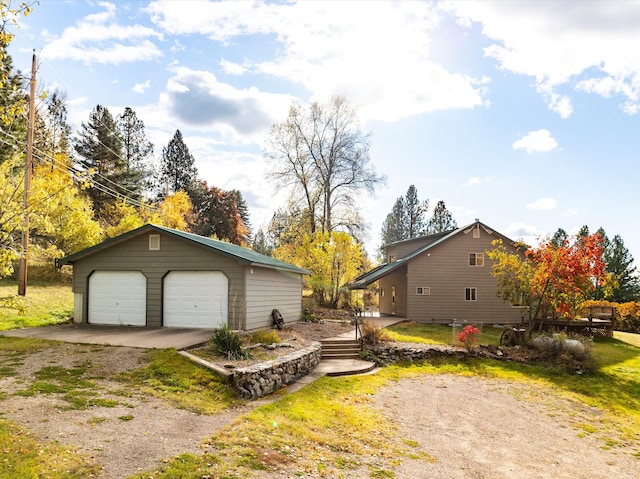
(524, 114)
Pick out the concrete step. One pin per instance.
(340, 349)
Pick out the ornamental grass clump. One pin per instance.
(228, 343)
(469, 336)
(372, 334)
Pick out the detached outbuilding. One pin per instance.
(157, 276)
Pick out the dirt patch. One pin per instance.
(471, 427)
(481, 428)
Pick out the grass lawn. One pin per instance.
(329, 427)
(46, 304)
(439, 333)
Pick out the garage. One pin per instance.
(195, 299)
(118, 297)
(155, 276)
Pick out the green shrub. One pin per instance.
(263, 336)
(228, 343)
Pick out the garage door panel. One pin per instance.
(195, 299)
(118, 297)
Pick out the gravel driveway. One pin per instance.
(472, 427)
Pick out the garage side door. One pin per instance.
(118, 297)
(195, 299)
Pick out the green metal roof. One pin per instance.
(375, 274)
(234, 251)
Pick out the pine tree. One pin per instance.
(406, 219)
(137, 152)
(99, 146)
(394, 227)
(442, 220)
(178, 171)
(13, 103)
(619, 263)
(261, 244)
(559, 238)
(415, 211)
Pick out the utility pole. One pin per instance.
(22, 273)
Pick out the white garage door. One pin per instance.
(118, 297)
(195, 299)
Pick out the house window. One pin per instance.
(154, 242)
(392, 258)
(471, 294)
(476, 259)
(423, 290)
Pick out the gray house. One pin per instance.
(442, 277)
(157, 276)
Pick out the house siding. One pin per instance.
(445, 270)
(397, 278)
(402, 249)
(269, 289)
(133, 254)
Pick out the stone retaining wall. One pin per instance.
(388, 353)
(261, 379)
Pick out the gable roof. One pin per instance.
(233, 251)
(375, 274)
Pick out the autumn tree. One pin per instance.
(333, 258)
(548, 278)
(219, 213)
(441, 220)
(177, 168)
(320, 153)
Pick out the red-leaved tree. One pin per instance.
(550, 278)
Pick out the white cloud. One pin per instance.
(377, 54)
(141, 87)
(472, 181)
(232, 68)
(94, 40)
(198, 99)
(543, 204)
(540, 140)
(593, 47)
(520, 231)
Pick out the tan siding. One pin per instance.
(397, 278)
(445, 269)
(402, 249)
(174, 255)
(269, 289)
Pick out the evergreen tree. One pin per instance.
(136, 150)
(52, 131)
(442, 220)
(13, 105)
(394, 228)
(178, 171)
(99, 146)
(406, 219)
(559, 238)
(619, 263)
(415, 211)
(261, 244)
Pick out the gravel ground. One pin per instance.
(472, 427)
